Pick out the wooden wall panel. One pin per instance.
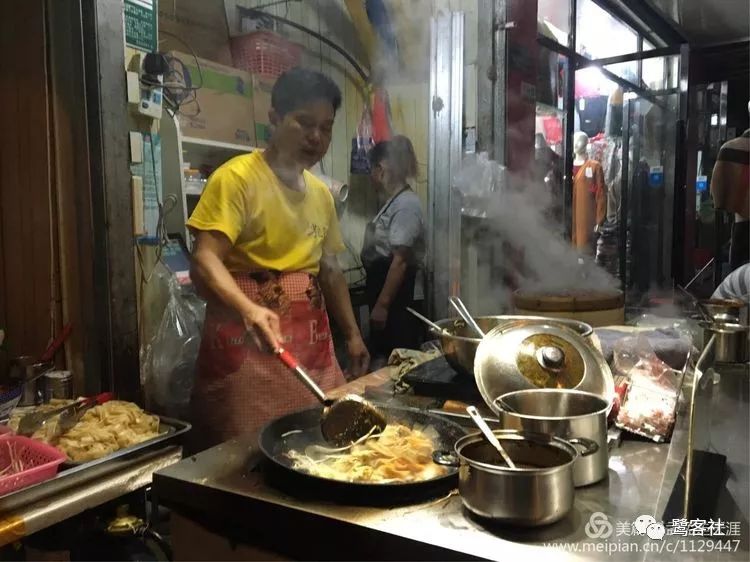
(26, 271)
(73, 189)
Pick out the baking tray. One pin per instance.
(166, 435)
(75, 474)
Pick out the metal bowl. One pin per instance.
(460, 346)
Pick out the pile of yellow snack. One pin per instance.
(102, 430)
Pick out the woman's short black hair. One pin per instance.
(299, 86)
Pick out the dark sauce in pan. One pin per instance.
(525, 454)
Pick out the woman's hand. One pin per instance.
(359, 358)
(264, 326)
(379, 316)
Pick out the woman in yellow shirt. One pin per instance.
(266, 239)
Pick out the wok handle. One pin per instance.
(589, 447)
(289, 360)
(445, 458)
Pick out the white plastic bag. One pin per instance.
(169, 358)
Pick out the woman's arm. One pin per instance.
(393, 281)
(211, 275)
(336, 293)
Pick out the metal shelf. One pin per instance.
(217, 144)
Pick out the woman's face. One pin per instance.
(304, 135)
(378, 176)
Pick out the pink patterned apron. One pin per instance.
(239, 387)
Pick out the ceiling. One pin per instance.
(704, 22)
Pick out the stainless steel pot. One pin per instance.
(460, 344)
(732, 343)
(566, 414)
(27, 371)
(542, 355)
(539, 492)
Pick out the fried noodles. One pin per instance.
(398, 454)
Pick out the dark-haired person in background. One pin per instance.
(393, 248)
(267, 236)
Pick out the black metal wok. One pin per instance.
(298, 430)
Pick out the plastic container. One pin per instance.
(194, 182)
(9, 398)
(265, 52)
(39, 462)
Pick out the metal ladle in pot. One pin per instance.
(460, 307)
(427, 321)
(488, 435)
(345, 419)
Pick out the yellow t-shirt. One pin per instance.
(271, 226)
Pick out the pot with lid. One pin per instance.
(542, 355)
(459, 343)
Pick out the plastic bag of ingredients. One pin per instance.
(653, 389)
(169, 358)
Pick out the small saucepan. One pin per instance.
(565, 413)
(538, 492)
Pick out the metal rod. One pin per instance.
(644, 18)
(697, 275)
(570, 102)
(349, 58)
(576, 60)
(639, 56)
(427, 321)
(464, 313)
(624, 184)
(697, 375)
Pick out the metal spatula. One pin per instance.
(344, 419)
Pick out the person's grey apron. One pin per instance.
(401, 330)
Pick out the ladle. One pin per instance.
(344, 419)
(463, 312)
(427, 321)
(488, 435)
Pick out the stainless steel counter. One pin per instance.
(62, 503)
(224, 490)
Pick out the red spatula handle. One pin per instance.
(104, 397)
(287, 358)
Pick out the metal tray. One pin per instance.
(165, 435)
(75, 474)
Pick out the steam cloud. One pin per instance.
(519, 212)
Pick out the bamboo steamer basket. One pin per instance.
(597, 308)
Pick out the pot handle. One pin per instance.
(589, 447)
(445, 458)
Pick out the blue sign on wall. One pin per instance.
(656, 176)
(701, 184)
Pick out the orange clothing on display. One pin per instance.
(589, 204)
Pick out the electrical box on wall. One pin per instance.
(145, 85)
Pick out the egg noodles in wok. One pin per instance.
(398, 454)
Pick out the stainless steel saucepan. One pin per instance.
(539, 491)
(565, 413)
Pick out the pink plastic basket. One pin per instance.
(39, 461)
(265, 52)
